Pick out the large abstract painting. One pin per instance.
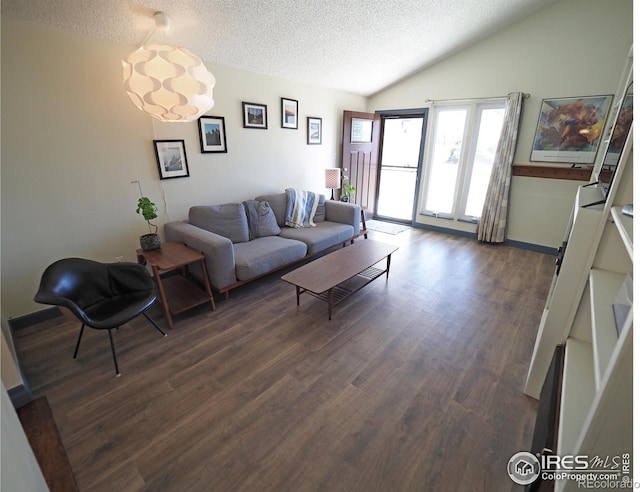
(570, 129)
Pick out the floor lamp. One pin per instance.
(332, 179)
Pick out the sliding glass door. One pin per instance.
(401, 154)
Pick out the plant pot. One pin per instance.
(149, 242)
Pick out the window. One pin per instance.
(463, 143)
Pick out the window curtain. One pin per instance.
(493, 221)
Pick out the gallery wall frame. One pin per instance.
(569, 129)
(314, 130)
(171, 158)
(213, 135)
(289, 113)
(254, 115)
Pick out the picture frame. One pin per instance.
(314, 130)
(171, 158)
(569, 129)
(254, 115)
(620, 130)
(213, 135)
(289, 113)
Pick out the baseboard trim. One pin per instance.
(509, 242)
(445, 230)
(33, 318)
(20, 396)
(548, 250)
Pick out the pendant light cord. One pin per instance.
(161, 21)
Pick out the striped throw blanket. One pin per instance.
(301, 208)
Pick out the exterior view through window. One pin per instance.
(401, 143)
(464, 138)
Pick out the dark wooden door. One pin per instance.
(360, 153)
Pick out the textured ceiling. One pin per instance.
(355, 46)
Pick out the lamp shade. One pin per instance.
(332, 178)
(168, 82)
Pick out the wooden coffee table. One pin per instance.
(334, 277)
(177, 292)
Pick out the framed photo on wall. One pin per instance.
(314, 130)
(570, 129)
(254, 115)
(289, 113)
(213, 136)
(171, 158)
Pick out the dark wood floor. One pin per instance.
(415, 385)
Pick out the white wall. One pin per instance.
(20, 470)
(8, 369)
(72, 142)
(572, 48)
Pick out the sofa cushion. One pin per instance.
(321, 237)
(278, 203)
(228, 220)
(321, 211)
(264, 254)
(261, 219)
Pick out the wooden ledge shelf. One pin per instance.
(533, 171)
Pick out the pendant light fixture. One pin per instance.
(168, 82)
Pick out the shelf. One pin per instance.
(350, 286)
(578, 392)
(589, 198)
(553, 172)
(596, 401)
(183, 294)
(603, 286)
(624, 223)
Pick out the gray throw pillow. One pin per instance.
(278, 203)
(261, 219)
(228, 220)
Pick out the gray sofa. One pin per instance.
(244, 241)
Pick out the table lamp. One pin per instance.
(332, 179)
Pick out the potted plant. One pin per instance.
(149, 211)
(347, 192)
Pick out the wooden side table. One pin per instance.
(363, 214)
(177, 292)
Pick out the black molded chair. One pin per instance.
(102, 295)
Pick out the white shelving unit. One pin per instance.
(578, 392)
(566, 288)
(596, 397)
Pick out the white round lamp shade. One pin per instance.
(168, 82)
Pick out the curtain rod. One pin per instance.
(526, 95)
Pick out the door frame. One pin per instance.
(363, 171)
(396, 114)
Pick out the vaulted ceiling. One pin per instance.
(355, 46)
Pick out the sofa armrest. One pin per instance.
(218, 251)
(344, 213)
